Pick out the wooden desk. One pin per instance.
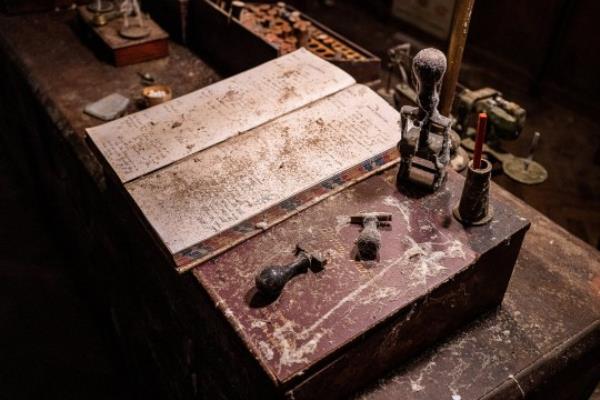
(543, 342)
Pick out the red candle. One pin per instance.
(481, 126)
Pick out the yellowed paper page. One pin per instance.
(151, 139)
(195, 199)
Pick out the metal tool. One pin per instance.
(506, 118)
(523, 170)
(425, 133)
(147, 78)
(369, 239)
(398, 64)
(137, 30)
(101, 19)
(400, 61)
(271, 280)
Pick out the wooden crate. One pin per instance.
(120, 51)
(235, 48)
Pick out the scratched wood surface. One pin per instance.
(319, 314)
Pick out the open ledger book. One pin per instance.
(217, 166)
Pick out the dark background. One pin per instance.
(543, 54)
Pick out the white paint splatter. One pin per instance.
(262, 225)
(381, 294)
(403, 208)
(427, 261)
(291, 353)
(340, 222)
(415, 385)
(266, 350)
(289, 334)
(258, 324)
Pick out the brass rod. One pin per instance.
(456, 48)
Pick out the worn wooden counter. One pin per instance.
(543, 342)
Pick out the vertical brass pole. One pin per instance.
(456, 47)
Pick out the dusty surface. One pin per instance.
(82, 78)
(570, 144)
(554, 293)
(193, 200)
(319, 313)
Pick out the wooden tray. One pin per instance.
(122, 51)
(236, 48)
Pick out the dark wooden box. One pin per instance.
(119, 51)
(234, 48)
(332, 332)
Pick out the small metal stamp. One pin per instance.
(369, 239)
(271, 280)
(425, 132)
